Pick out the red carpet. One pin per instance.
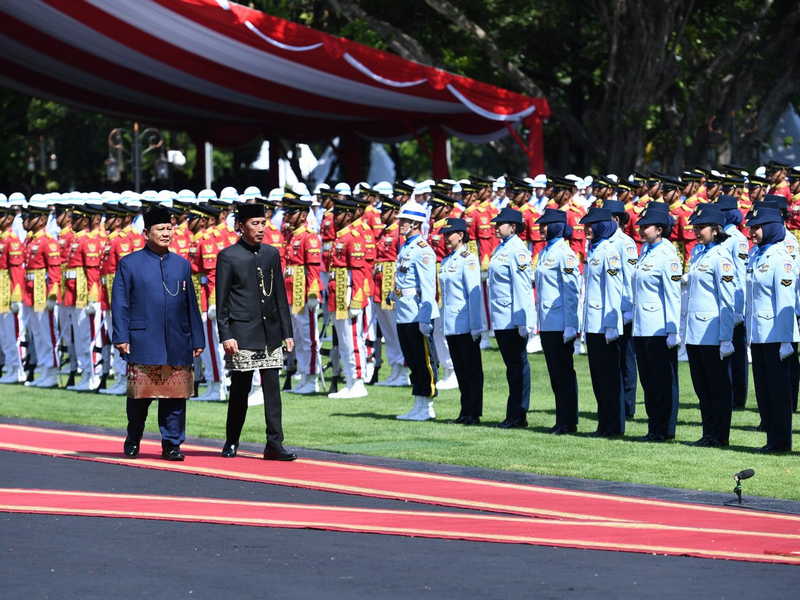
(616, 522)
(606, 535)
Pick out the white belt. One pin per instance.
(30, 276)
(70, 274)
(327, 246)
(407, 292)
(103, 280)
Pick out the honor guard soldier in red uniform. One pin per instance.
(303, 291)
(42, 293)
(12, 281)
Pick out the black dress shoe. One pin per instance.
(471, 421)
(460, 419)
(654, 437)
(279, 453)
(770, 449)
(554, 429)
(131, 449)
(703, 442)
(172, 453)
(229, 450)
(513, 424)
(564, 430)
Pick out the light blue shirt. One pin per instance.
(770, 303)
(510, 285)
(628, 255)
(415, 282)
(710, 296)
(557, 284)
(657, 291)
(602, 288)
(460, 289)
(737, 246)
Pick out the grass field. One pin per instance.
(368, 426)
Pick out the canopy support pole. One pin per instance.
(439, 162)
(208, 172)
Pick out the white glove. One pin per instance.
(212, 312)
(91, 309)
(15, 307)
(685, 278)
(476, 335)
(673, 339)
(738, 318)
(312, 303)
(725, 349)
(50, 305)
(611, 335)
(425, 328)
(570, 333)
(523, 331)
(355, 312)
(484, 275)
(785, 351)
(627, 317)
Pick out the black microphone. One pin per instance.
(746, 474)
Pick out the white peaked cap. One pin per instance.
(187, 197)
(206, 195)
(275, 195)
(149, 195)
(17, 199)
(423, 187)
(3, 199)
(612, 177)
(540, 181)
(761, 171)
(166, 197)
(251, 193)
(300, 188)
(229, 195)
(343, 189)
(384, 188)
(413, 211)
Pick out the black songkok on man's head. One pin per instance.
(250, 211)
(157, 216)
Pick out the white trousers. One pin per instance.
(306, 342)
(212, 355)
(43, 325)
(352, 349)
(84, 329)
(10, 335)
(391, 343)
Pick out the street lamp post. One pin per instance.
(115, 163)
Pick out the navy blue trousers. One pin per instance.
(772, 379)
(563, 381)
(466, 355)
(171, 419)
(627, 366)
(604, 361)
(658, 372)
(518, 371)
(739, 367)
(711, 378)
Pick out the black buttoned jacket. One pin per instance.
(252, 308)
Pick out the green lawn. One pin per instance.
(368, 426)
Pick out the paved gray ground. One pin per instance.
(44, 556)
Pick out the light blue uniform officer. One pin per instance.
(656, 320)
(771, 325)
(511, 309)
(462, 312)
(416, 308)
(739, 248)
(557, 284)
(602, 320)
(709, 325)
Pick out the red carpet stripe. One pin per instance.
(428, 488)
(605, 535)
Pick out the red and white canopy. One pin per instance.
(228, 73)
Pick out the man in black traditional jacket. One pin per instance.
(254, 326)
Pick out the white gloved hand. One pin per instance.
(611, 335)
(673, 339)
(627, 317)
(355, 312)
(91, 309)
(312, 303)
(425, 328)
(15, 307)
(212, 312)
(685, 278)
(738, 318)
(570, 333)
(50, 305)
(785, 351)
(725, 349)
(476, 334)
(484, 275)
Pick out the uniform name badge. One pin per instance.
(387, 285)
